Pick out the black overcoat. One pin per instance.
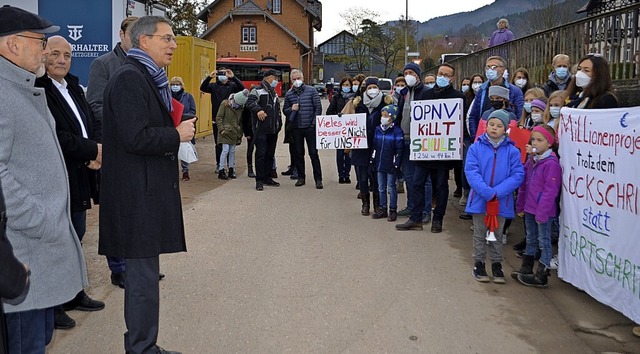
(141, 211)
(77, 150)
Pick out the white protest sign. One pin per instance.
(599, 247)
(436, 130)
(348, 131)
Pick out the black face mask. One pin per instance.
(497, 104)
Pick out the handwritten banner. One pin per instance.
(348, 131)
(436, 130)
(599, 223)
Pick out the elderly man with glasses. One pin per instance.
(35, 187)
(141, 211)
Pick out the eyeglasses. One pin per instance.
(43, 40)
(167, 38)
(492, 67)
(448, 76)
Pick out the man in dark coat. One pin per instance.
(301, 106)
(102, 68)
(437, 170)
(266, 121)
(13, 274)
(225, 85)
(141, 211)
(79, 135)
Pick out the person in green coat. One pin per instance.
(229, 120)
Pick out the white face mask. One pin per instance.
(411, 80)
(536, 117)
(582, 79)
(297, 83)
(385, 121)
(521, 83)
(476, 87)
(373, 92)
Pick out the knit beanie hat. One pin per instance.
(392, 109)
(499, 91)
(539, 104)
(371, 81)
(502, 115)
(241, 97)
(413, 66)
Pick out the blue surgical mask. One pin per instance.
(561, 72)
(527, 107)
(491, 74)
(176, 88)
(274, 83)
(354, 88)
(222, 78)
(554, 112)
(346, 89)
(430, 86)
(465, 88)
(442, 81)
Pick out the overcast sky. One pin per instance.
(420, 10)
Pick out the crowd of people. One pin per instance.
(91, 145)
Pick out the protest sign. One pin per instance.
(599, 248)
(436, 130)
(347, 131)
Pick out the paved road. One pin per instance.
(298, 270)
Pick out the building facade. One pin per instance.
(267, 30)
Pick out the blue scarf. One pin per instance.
(158, 75)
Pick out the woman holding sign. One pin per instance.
(339, 100)
(371, 104)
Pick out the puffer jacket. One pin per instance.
(541, 188)
(493, 173)
(387, 148)
(309, 106)
(229, 124)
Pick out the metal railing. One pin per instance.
(615, 35)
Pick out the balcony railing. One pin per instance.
(615, 35)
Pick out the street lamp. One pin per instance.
(406, 32)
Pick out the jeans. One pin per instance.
(538, 236)
(387, 183)
(440, 183)
(29, 331)
(407, 172)
(366, 178)
(265, 151)
(229, 151)
(428, 195)
(300, 135)
(343, 161)
(480, 244)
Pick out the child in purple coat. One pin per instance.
(537, 202)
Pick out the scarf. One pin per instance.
(493, 143)
(298, 90)
(347, 96)
(372, 103)
(159, 76)
(177, 95)
(542, 156)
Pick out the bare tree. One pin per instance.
(552, 13)
(358, 49)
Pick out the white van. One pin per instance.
(386, 86)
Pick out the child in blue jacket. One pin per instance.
(494, 171)
(387, 156)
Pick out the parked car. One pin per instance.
(321, 88)
(386, 86)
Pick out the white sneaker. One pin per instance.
(504, 237)
(463, 200)
(554, 262)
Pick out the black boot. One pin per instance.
(525, 269)
(381, 213)
(366, 204)
(250, 173)
(232, 173)
(222, 174)
(538, 280)
(520, 246)
(376, 202)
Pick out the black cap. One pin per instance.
(15, 20)
(271, 72)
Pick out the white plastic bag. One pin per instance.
(187, 152)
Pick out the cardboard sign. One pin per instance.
(436, 130)
(348, 131)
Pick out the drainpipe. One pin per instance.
(302, 56)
